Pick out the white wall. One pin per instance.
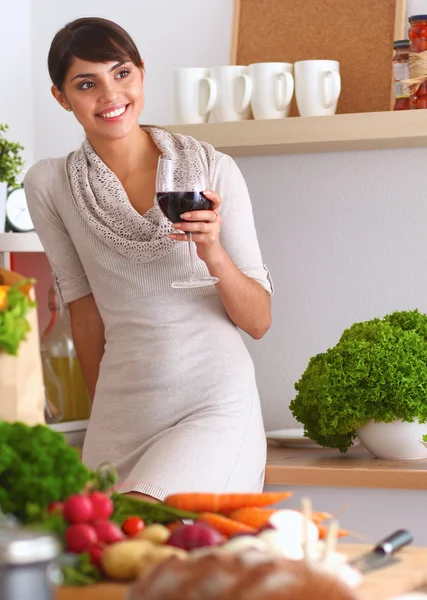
(343, 234)
(416, 7)
(16, 95)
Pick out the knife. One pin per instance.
(382, 555)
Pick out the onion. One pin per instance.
(188, 537)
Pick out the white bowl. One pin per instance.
(397, 440)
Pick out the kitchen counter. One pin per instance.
(328, 468)
(409, 575)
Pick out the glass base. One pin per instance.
(195, 282)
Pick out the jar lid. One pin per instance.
(417, 18)
(21, 547)
(401, 44)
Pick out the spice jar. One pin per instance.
(28, 564)
(60, 359)
(401, 73)
(417, 34)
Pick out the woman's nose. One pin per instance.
(107, 93)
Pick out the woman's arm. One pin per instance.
(247, 303)
(43, 191)
(226, 241)
(88, 336)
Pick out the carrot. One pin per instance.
(224, 525)
(318, 517)
(323, 531)
(223, 503)
(258, 517)
(253, 516)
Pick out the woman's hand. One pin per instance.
(204, 226)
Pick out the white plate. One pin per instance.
(294, 438)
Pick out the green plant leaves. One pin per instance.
(377, 370)
(11, 162)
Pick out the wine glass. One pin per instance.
(177, 193)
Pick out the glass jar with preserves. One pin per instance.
(60, 362)
(401, 73)
(417, 34)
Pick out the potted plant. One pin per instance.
(11, 165)
(373, 385)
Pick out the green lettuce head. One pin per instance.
(377, 370)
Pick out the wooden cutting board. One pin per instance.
(407, 576)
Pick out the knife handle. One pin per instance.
(394, 542)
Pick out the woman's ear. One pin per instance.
(60, 98)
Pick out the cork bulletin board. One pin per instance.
(357, 33)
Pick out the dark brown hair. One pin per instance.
(92, 39)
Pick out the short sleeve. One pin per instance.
(42, 184)
(238, 234)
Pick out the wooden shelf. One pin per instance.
(323, 467)
(20, 242)
(302, 135)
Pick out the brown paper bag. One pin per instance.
(21, 377)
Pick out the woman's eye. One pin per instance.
(123, 73)
(86, 85)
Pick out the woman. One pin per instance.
(175, 403)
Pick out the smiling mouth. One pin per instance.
(113, 114)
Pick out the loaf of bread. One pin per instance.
(252, 575)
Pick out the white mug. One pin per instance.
(234, 85)
(273, 88)
(317, 87)
(194, 93)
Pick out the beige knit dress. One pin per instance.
(176, 405)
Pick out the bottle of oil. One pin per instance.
(59, 357)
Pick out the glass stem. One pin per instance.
(191, 251)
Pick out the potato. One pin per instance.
(121, 561)
(156, 533)
(159, 554)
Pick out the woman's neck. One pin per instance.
(123, 156)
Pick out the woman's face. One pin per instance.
(106, 98)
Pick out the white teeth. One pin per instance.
(114, 113)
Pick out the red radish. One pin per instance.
(78, 509)
(96, 551)
(188, 537)
(108, 532)
(80, 536)
(132, 526)
(102, 505)
(55, 507)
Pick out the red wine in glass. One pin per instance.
(176, 195)
(174, 204)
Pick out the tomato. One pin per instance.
(422, 102)
(401, 104)
(132, 526)
(413, 35)
(423, 33)
(421, 45)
